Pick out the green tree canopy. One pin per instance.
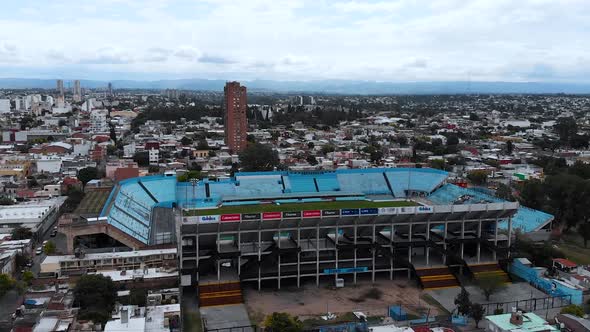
(87, 174)
(21, 233)
(463, 302)
(477, 312)
(478, 177)
(6, 284)
(259, 157)
(490, 284)
(96, 296)
(282, 322)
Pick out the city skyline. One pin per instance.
(297, 40)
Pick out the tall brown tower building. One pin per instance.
(236, 121)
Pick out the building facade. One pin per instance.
(236, 122)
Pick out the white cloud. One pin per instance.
(304, 39)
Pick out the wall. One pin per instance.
(546, 285)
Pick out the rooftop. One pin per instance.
(531, 323)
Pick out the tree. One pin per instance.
(96, 296)
(478, 177)
(573, 309)
(259, 157)
(203, 145)
(452, 140)
(154, 169)
(186, 141)
(6, 284)
(49, 248)
(477, 312)
(189, 175)
(28, 277)
(490, 284)
(87, 174)
(21, 233)
(509, 147)
(504, 192)
(282, 322)
(584, 230)
(463, 302)
(6, 200)
(311, 160)
(438, 164)
(138, 297)
(142, 158)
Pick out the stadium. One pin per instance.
(286, 227)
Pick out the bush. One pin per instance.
(373, 293)
(573, 309)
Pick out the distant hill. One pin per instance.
(322, 86)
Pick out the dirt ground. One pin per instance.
(310, 301)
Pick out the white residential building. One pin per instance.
(4, 105)
(98, 121)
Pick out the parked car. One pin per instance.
(39, 251)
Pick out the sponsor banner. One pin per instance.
(370, 211)
(346, 270)
(424, 209)
(271, 215)
(388, 211)
(190, 220)
(329, 213)
(250, 216)
(208, 219)
(406, 210)
(293, 214)
(312, 213)
(349, 212)
(230, 217)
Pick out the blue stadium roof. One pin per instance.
(129, 206)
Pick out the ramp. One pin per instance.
(220, 293)
(436, 277)
(489, 269)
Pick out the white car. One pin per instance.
(39, 251)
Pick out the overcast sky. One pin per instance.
(404, 40)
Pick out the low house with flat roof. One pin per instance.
(518, 321)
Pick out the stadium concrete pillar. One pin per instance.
(218, 262)
(462, 237)
(299, 256)
(259, 257)
(509, 235)
(337, 250)
(495, 240)
(239, 250)
(197, 255)
(391, 250)
(410, 249)
(427, 243)
(317, 255)
(479, 242)
(355, 234)
(373, 252)
(445, 243)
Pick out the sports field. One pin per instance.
(92, 202)
(258, 208)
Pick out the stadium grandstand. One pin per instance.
(272, 228)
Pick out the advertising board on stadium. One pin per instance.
(312, 213)
(271, 215)
(208, 219)
(233, 217)
(349, 212)
(292, 214)
(251, 216)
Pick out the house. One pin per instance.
(517, 321)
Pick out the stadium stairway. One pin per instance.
(489, 269)
(436, 277)
(220, 293)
